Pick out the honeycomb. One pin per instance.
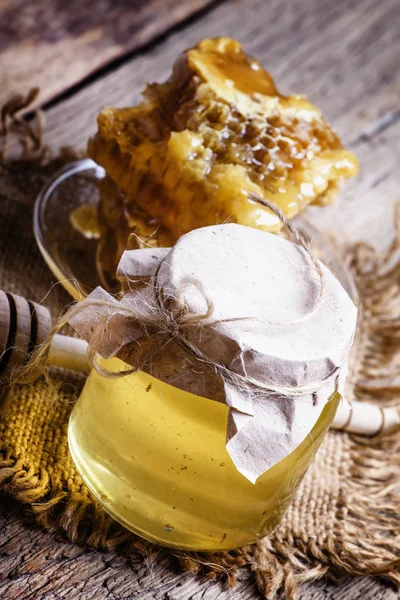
(199, 146)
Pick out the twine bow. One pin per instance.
(170, 318)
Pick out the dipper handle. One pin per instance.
(24, 325)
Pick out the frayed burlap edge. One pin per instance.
(370, 510)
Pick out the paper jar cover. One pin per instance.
(270, 324)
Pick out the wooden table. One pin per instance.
(344, 55)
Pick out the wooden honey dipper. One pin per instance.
(25, 325)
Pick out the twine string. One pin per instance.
(170, 317)
(28, 133)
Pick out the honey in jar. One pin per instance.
(154, 456)
(177, 458)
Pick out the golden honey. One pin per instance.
(154, 457)
(201, 145)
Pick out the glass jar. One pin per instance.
(154, 457)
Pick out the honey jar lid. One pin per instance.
(266, 319)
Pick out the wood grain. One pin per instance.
(54, 44)
(344, 56)
(36, 566)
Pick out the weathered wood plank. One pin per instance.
(54, 44)
(343, 55)
(36, 566)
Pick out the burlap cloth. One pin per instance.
(344, 518)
